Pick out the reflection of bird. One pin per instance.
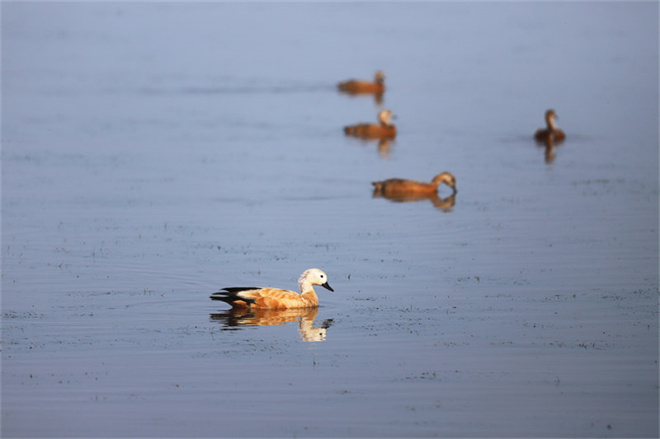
(444, 204)
(396, 188)
(384, 147)
(356, 86)
(549, 147)
(384, 130)
(551, 132)
(274, 298)
(269, 317)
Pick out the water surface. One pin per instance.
(153, 153)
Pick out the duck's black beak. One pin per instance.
(327, 286)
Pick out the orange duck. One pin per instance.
(384, 130)
(399, 189)
(356, 86)
(275, 298)
(551, 133)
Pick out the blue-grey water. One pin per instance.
(153, 153)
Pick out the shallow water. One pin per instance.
(153, 153)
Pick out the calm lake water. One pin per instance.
(153, 153)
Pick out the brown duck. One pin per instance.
(357, 86)
(551, 132)
(397, 188)
(383, 130)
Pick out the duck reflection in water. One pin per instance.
(400, 190)
(549, 150)
(385, 129)
(384, 146)
(356, 87)
(236, 318)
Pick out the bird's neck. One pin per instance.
(305, 286)
(310, 296)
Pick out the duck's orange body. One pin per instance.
(266, 298)
(551, 133)
(371, 131)
(356, 86)
(275, 298)
(383, 130)
(397, 188)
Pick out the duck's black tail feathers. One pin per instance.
(230, 295)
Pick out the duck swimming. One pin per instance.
(397, 188)
(357, 86)
(275, 298)
(551, 133)
(383, 130)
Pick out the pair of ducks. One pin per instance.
(384, 129)
(259, 298)
(399, 190)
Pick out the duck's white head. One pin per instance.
(384, 117)
(313, 276)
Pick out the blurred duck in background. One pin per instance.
(383, 130)
(357, 86)
(551, 132)
(400, 188)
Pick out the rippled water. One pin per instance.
(153, 153)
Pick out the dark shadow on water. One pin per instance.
(236, 319)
